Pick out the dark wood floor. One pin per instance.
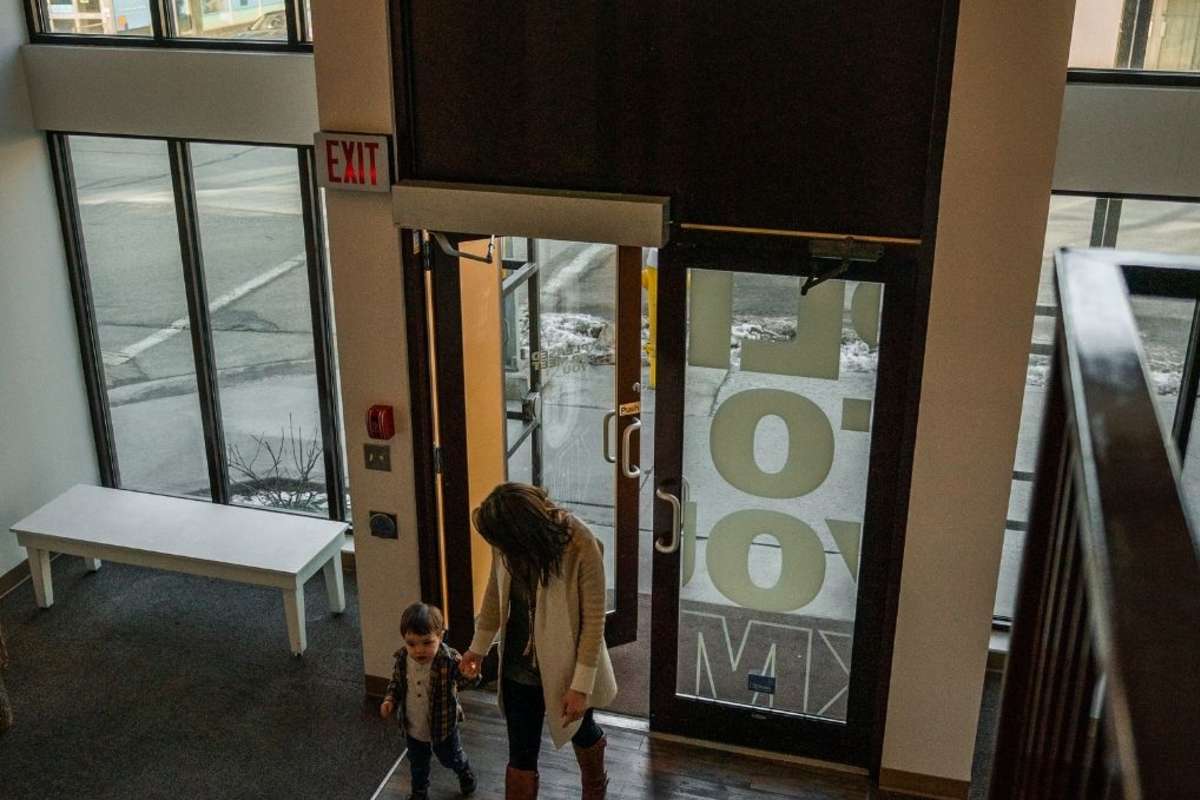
(638, 767)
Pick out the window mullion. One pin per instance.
(323, 346)
(35, 17)
(1112, 222)
(1134, 34)
(90, 351)
(1105, 220)
(292, 14)
(302, 14)
(187, 217)
(170, 25)
(158, 16)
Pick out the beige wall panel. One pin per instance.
(994, 200)
(1129, 139)
(193, 94)
(353, 68)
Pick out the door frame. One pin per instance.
(884, 519)
(446, 539)
(621, 622)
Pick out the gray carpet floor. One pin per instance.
(147, 684)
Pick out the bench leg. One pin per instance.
(293, 607)
(335, 584)
(92, 564)
(43, 583)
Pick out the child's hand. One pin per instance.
(386, 708)
(574, 705)
(470, 664)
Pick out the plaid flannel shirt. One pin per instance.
(444, 682)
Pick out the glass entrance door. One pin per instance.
(777, 442)
(572, 361)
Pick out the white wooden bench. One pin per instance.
(255, 546)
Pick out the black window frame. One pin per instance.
(191, 255)
(163, 35)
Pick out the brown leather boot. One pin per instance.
(520, 784)
(591, 770)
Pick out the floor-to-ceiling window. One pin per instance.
(139, 301)
(1165, 325)
(204, 280)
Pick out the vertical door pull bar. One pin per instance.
(604, 428)
(676, 521)
(627, 469)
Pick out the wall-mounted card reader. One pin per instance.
(383, 525)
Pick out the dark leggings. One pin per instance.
(524, 713)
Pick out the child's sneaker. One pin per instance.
(466, 781)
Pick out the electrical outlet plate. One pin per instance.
(378, 456)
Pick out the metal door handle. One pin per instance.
(676, 521)
(608, 456)
(627, 469)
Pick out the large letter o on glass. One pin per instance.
(810, 443)
(803, 557)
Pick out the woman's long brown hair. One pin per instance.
(529, 530)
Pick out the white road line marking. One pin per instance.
(132, 351)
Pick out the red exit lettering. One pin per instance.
(331, 170)
(353, 162)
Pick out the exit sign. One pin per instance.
(358, 162)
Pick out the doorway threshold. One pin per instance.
(642, 725)
(764, 755)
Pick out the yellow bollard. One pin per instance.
(650, 284)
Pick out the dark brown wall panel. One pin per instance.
(808, 115)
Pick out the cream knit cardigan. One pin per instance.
(568, 629)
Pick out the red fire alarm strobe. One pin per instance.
(381, 422)
(355, 161)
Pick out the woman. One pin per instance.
(546, 596)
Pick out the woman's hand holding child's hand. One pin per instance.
(386, 708)
(574, 705)
(470, 664)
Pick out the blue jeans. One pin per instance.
(448, 751)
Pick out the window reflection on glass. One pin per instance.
(1137, 34)
(127, 211)
(100, 17)
(255, 265)
(262, 20)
